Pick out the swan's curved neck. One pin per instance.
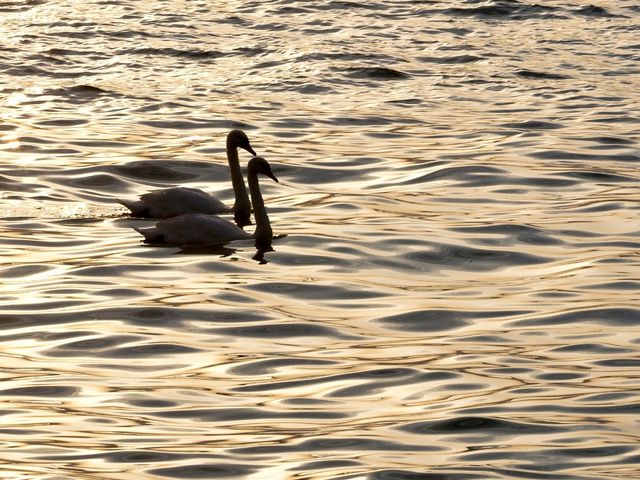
(239, 190)
(263, 231)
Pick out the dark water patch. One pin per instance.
(143, 316)
(82, 93)
(453, 60)
(607, 140)
(412, 475)
(592, 412)
(292, 123)
(152, 403)
(308, 401)
(591, 348)
(564, 155)
(154, 170)
(148, 350)
(513, 233)
(314, 291)
(594, 11)
(49, 391)
(615, 286)
(94, 345)
(245, 414)
(614, 317)
(378, 375)
(469, 175)
(326, 465)
(376, 387)
(359, 444)
(177, 107)
(464, 387)
(559, 377)
(64, 122)
(282, 331)
(31, 71)
(531, 74)
(619, 363)
(591, 176)
(22, 271)
(554, 457)
(456, 257)
(506, 10)
(191, 54)
(130, 456)
(368, 120)
(484, 339)
(264, 367)
(493, 427)
(430, 320)
(533, 125)
(100, 180)
(207, 471)
(621, 118)
(509, 371)
(407, 102)
(308, 175)
(194, 124)
(21, 431)
(376, 73)
(608, 397)
(44, 336)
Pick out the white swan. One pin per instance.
(200, 229)
(176, 201)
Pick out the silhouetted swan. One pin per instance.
(176, 201)
(200, 229)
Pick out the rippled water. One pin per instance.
(454, 292)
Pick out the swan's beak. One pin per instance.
(272, 176)
(250, 150)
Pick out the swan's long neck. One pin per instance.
(242, 203)
(263, 231)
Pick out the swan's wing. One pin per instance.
(175, 201)
(194, 229)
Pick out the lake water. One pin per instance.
(454, 290)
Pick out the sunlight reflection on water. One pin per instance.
(452, 287)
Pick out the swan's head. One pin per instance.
(237, 138)
(260, 165)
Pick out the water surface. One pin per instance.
(454, 290)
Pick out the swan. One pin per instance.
(201, 229)
(176, 201)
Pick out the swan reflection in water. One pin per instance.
(175, 201)
(225, 251)
(194, 230)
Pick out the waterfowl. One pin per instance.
(176, 201)
(201, 229)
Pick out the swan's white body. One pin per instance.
(200, 229)
(176, 201)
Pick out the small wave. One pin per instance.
(376, 73)
(541, 75)
(194, 54)
(512, 10)
(456, 59)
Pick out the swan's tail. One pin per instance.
(138, 208)
(151, 234)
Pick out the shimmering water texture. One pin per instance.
(453, 287)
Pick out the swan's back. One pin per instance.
(193, 229)
(175, 201)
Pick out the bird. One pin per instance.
(175, 201)
(201, 229)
